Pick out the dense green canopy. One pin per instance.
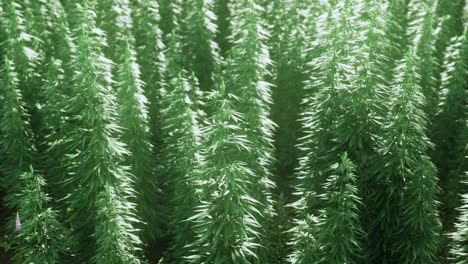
(233, 131)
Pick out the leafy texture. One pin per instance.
(152, 61)
(233, 131)
(247, 70)
(203, 52)
(40, 235)
(459, 249)
(421, 31)
(171, 16)
(18, 46)
(408, 167)
(320, 147)
(55, 127)
(223, 13)
(133, 117)
(17, 148)
(95, 162)
(182, 160)
(290, 59)
(113, 231)
(339, 222)
(290, 24)
(335, 234)
(225, 219)
(451, 112)
(114, 17)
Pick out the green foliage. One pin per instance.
(40, 235)
(225, 219)
(223, 13)
(247, 70)
(183, 159)
(459, 249)
(450, 15)
(317, 118)
(114, 17)
(55, 129)
(409, 168)
(366, 119)
(174, 71)
(421, 32)
(96, 155)
(303, 238)
(320, 145)
(55, 94)
(43, 23)
(334, 236)
(340, 231)
(18, 46)
(152, 61)
(16, 146)
(180, 125)
(114, 231)
(455, 10)
(171, 16)
(133, 118)
(215, 131)
(288, 90)
(420, 224)
(397, 25)
(66, 49)
(203, 52)
(347, 114)
(451, 112)
(289, 23)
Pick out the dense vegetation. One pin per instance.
(233, 131)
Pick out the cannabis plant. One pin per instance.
(17, 146)
(182, 157)
(102, 186)
(340, 231)
(451, 112)
(410, 169)
(55, 94)
(226, 215)
(459, 247)
(233, 131)
(18, 46)
(152, 61)
(41, 236)
(203, 52)
(246, 71)
(133, 119)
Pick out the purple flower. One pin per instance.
(18, 222)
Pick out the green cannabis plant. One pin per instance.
(233, 131)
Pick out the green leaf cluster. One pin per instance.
(233, 131)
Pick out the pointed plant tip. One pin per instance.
(17, 222)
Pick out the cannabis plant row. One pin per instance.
(233, 131)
